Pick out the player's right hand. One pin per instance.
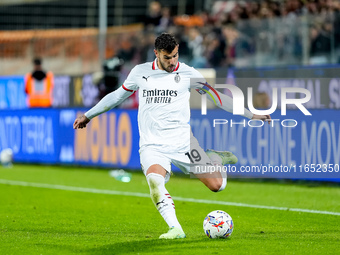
(81, 122)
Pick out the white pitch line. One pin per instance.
(137, 194)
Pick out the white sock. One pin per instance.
(162, 199)
(224, 182)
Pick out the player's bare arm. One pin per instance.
(81, 122)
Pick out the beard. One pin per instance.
(169, 69)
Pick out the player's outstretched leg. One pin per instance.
(217, 181)
(222, 157)
(165, 205)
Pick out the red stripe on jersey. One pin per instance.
(153, 65)
(176, 67)
(127, 89)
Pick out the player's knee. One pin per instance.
(156, 169)
(218, 185)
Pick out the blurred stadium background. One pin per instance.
(263, 44)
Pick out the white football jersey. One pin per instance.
(164, 110)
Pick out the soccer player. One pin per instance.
(163, 120)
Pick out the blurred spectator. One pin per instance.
(128, 47)
(165, 21)
(320, 46)
(183, 49)
(147, 46)
(108, 80)
(215, 52)
(207, 19)
(336, 26)
(195, 44)
(261, 100)
(293, 6)
(231, 35)
(39, 86)
(154, 16)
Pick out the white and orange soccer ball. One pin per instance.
(218, 224)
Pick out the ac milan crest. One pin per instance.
(177, 78)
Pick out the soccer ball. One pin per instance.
(218, 224)
(6, 157)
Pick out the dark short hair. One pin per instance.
(166, 42)
(37, 61)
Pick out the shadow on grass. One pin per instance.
(155, 246)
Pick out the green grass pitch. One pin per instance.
(53, 220)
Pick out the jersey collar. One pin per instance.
(176, 67)
(155, 66)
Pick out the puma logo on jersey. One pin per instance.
(146, 78)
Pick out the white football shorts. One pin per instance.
(186, 162)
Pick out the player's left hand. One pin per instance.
(262, 117)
